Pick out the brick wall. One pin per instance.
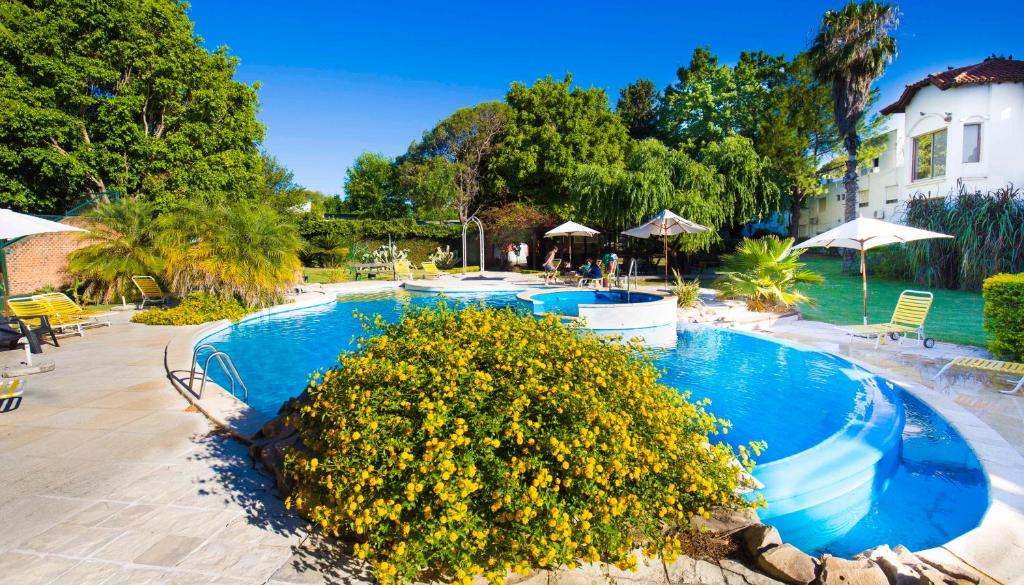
(40, 261)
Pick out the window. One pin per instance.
(862, 204)
(972, 143)
(930, 155)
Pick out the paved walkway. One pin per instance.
(107, 477)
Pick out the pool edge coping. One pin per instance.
(221, 407)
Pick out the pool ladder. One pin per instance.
(225, 363)
(631, 274)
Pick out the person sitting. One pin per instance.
(584, 268)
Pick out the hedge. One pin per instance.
(371, 229)
(1004, 314)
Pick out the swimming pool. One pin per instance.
(852, 461)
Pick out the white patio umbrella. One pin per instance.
(863, 234)
(570, 229)
(665, 224)
(16, 225)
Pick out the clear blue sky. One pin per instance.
(339, 78)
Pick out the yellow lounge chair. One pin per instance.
(151, 291)
(33, 311)
(1010, 368)
(67, 310)
(907, 319)
(430, 270)
(403, 269)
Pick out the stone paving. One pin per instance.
(107, 477)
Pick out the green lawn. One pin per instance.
(955, 316)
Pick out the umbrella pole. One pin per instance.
(864, 280)
(664, 238)
(6, 279)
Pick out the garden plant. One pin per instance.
(765, 272)
(474, 442)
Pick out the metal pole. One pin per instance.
(464, 225)
(864, 279)
(664, 238)
(7, 280)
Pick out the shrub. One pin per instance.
(194, 309)
(480, 441)
(242, 250)
(766, 273)
(1004, 314)
(687, 293)
(121, 243)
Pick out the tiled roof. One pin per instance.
(991, 70)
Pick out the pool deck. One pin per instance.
(110, 476)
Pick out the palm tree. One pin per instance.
(243, 250)
(766, 273)
(851, 50)
(121, 243)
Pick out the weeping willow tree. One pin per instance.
(987, 238)
(727, 188)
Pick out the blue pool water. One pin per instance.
(567, 302)
(852, 461)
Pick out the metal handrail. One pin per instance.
(632, 272)
(225, 363)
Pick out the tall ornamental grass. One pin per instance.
(988, 238)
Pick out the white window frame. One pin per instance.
(931, 163)
(963, 155)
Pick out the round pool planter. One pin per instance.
(656, 309)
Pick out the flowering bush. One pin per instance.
(481, 441)
(194, 309)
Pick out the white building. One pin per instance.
(962, 124)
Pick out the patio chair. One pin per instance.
(41, 317)
(150, 290)
(68, 310)
(1010, 368)
(403, 269)
(430, 270)
(10, 394)
(907, 319)
(10, 338)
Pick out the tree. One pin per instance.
(798, 135)
(465, 142)
(122, 96)
(711, 101)
(239, 249)
(371, 188)
(638, 103)
(851, 50)
(552, 128)
(121, 243)
(747, 181)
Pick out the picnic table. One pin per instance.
(370, 269)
